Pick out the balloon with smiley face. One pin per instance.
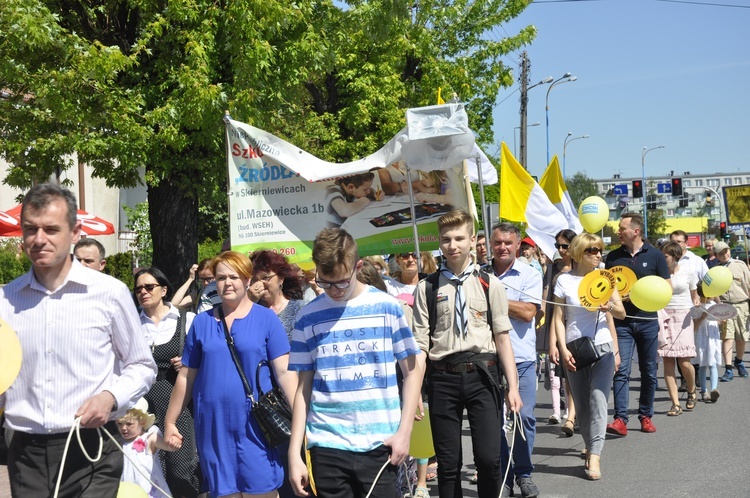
(596, 288)
(625, 278)
(10, 356)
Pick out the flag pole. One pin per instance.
(478, 161)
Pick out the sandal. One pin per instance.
(675, 410)
(567, 428)
(691, 401)
(432, 472)
(593, 472)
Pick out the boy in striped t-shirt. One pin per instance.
(345, 345)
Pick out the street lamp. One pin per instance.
(565, 145)
(524, 103)
(646, 150)
(515, 150)
(563, 79)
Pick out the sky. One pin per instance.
(650, 73)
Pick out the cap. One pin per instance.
(720, 247)
(142, 406)
(527, 240)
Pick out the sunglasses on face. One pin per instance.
(149, 288)
(593, 250)
(406, 255)
(263, 279)
(561, 246)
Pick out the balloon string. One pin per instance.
(545, 301)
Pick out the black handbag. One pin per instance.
(271, 411)
(584, 352)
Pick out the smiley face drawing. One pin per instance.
(625, 278)
(596, 288)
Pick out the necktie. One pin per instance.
(461, 313)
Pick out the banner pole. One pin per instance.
(485, 208)
(413, 217)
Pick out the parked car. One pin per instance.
(739, 252)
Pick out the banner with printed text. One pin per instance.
(272, 207)
(737, 202)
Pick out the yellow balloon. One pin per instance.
(593, 214)
(717, 281)
(131, 490)
(651, 293)
(421, 445)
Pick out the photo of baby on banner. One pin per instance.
(280, 196)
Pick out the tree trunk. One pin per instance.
(173, 215)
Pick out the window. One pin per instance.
(685, 183)
(737, 180)
(687, 211)
(727, 181)
(670, 212)
(714, 182)
(698, 183)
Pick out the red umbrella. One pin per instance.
(10, 223)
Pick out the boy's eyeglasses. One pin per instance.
(149, 288)
(341, 284)
(593, 250)
(561, 246)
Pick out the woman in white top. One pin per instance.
(677, 335)
(405, 279)
(591, 384)
(165, 328)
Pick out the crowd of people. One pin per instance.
(356, 347)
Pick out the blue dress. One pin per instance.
(233, 454)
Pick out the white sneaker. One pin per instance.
(554, 419)
(422, 493)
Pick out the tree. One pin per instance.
(127, 85)
(580, 187)
(657, 224)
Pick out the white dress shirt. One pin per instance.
(156, 335)
(71, 339)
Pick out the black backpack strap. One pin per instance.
(432, 282)
(484, 279)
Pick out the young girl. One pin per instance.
(141, 442)
(708, 350)
(438, 188)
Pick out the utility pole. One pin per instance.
(525, 65)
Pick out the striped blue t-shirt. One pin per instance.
(352, 346)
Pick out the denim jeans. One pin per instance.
(641, 334)
(449, 394)
(522, 466)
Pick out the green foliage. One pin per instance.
(134, 86)
(580, 187)
(209, 248)
(657, 224)
(139, 224)
(120, 266)
(13, 263)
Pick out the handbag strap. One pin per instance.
(233, 353)
(274, 385)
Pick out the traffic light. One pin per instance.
(651, 202)
(723, 230)
(637, 188)
(676, 187)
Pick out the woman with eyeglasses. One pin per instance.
(556, 372)
(165, 328)
(404, 280)
(235, 458)
(275, 285)
(590, 385)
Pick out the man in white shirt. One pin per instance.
(74, 325)
(90, 253)
(689, 258)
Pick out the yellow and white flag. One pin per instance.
(553, 185)
(522, 199)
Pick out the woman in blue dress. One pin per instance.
(234, 457)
